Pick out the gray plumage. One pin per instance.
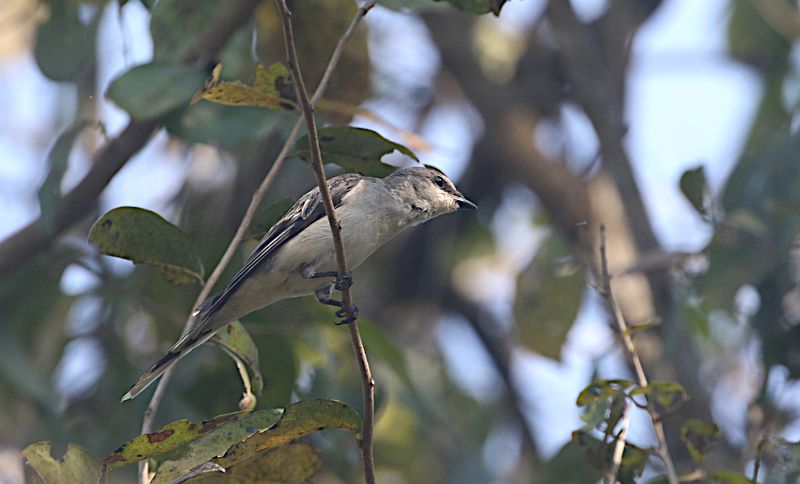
(286, 262)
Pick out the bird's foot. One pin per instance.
(349, 315)
(344, 282)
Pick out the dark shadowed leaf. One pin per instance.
(549, 294)
(266, 217)
(570, 465)
(695, 188)
(144, 237)
(151, 90)
(177, 26)
(279, 357)
(237, 343)
(271, 89)
(64, 45)
(299, 419)
(50, 192)
(699, 435)
(76, 465)
(356, 150)
(478, 7)
(294, 462)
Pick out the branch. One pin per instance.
(33, 239)
(619, 446)
(368, 382)
(607, 293)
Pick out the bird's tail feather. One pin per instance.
(199, 335)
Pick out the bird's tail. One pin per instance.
(197, 336)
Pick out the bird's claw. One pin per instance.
(343, 282)
(349, 315)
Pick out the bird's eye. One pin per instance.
(439, 181)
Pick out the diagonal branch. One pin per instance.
(368, 382)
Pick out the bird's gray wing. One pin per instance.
(308, 209)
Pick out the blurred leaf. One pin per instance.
(381, 346)
(478, 7)
(570, 465)
(356, 150)
(143, 236)
(177, 26)
(272, 89)
(237, 343)
(58, 158)
(279, 357)
(549, 294)
(265, 217)
(215, 442)
(780, 460)
(604, 404)
(413, 5)
(728, 477)
(699, 435)
(695, 188)
(299, 419)
(227, 127)
(295, 462)
(76, 465)
(668, 395)
(151, 90)
(65, 46)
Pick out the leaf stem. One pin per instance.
(368, 382)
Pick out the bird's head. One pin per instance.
(427, 192)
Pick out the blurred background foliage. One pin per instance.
(443, 304)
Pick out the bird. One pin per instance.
(296, 257)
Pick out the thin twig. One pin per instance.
(368, 382)
(619, 446)
(608, 294)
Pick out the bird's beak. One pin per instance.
(464, 203)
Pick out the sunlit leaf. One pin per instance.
(76, 465)
(299, 419)
(695, 188)
(549, 295)
(151, 90)
(64, 45)
(271, 89)
(266, 217)
(356, 150)
(668, 395)
(215, 442)
(50, 192)
(699, 435)
(144, 237)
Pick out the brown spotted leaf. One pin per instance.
(299, 419)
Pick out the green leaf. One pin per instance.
(478, 7)
(604, 404)
(50, 192)
(272, 89)
(728, 477)
(279, 356)
(227, 127)
(356, 150)
(299, 419)
(668, 395)
(699, 435)
(76, 465)
(215, 442)
(266, 217)
(570, 465)
(413, 5)
(144, 237)
(695, 188)
(151, 90)
(177, 26)
(237, 343)
(549, 294)
(294, 462)
(64, 45)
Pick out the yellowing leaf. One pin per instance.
(272, 89)
(237, 343)
(293, 462)
(76, 465)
